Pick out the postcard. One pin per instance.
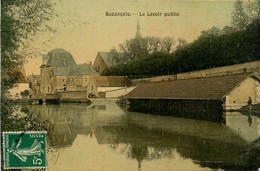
(130, 85)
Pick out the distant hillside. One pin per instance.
(213, 48)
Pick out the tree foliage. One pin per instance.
(28, 18)
(25, 93)
(213, 48)
(134, 49)
(245, 14)
(21, 20)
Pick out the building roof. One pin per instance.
(138, 32)
(60, 58)
(15, 74)
(61, 71)
(76, 70)
(112, 81)
(210, 88)
(83, 69)
(107, 58)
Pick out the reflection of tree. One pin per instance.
(145, 141)
(145, 144)
(59, 134)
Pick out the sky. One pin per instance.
(83, 29)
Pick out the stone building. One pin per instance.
(34, 83)
(103, 61)
(102, 86)
(59, 72)
(199, 98)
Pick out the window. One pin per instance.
(63, 80)
(92, 87)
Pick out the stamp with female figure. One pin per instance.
(24, 149)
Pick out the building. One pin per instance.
(59, 73)
(103, 61)
(34, 83)
(21, 84)
(108, 86)
(138, 32)
(201, 98)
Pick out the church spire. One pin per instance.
(138, 33)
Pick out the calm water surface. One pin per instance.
(104, 136)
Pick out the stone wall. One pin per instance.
(226, 70)
(46, 84)
(114, 92)
(73, 95)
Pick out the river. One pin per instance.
(104, 136)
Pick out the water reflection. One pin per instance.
(246, 125)
(105, 137)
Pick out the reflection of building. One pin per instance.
(143, 137)
(202, 97)
(108, 86)
(246, 126)
(59, 72)
(21, 83)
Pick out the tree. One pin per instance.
(213, 48)
(239, 17)
(20, 21)
(167, 44)
(25, 93)
(154, 44)
(243, 15)
(181, 43)
(134, 49)
(29, 18)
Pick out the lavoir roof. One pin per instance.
(209, 88)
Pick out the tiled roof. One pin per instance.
(200, 88)
(76, 70)
(83, 69)
(112, 81)
(60, 58)
(61, 71)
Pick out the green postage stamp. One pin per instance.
(24, 150)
